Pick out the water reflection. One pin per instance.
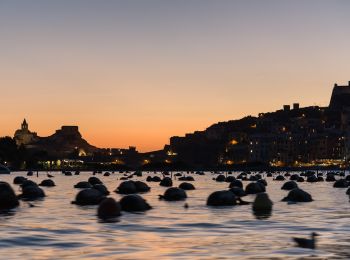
(109, 220)
(54, 228)
(262, 214)
(6, 214)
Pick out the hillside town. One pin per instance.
(293, 136)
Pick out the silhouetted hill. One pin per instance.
(289, 136)
(64, 142)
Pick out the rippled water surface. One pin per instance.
(57, 229)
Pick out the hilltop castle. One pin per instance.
(64, 142)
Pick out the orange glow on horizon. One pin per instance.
(130, 77)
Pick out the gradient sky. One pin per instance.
(138, 72)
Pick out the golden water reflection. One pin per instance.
(56, 229)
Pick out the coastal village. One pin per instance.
(293, 136)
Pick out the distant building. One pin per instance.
(286, 107)
(340, 97)
(340, 109)
(23, 136)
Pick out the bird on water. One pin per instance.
(307, 243)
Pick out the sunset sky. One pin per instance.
(138, 72)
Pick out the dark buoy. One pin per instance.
(174, 194)
(8, 199)
(132, 203)
(108, 208)
(221, 198)
(262, 206)
(298, 195)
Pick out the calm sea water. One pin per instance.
(56, 229)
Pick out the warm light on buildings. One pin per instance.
(146, 161)
(117, 161)
(277, 163)
(233, 142)
(82, 152)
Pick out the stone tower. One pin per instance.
(25, 125)
(340, 105)
(340, 97)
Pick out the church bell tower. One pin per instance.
(25, 125)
